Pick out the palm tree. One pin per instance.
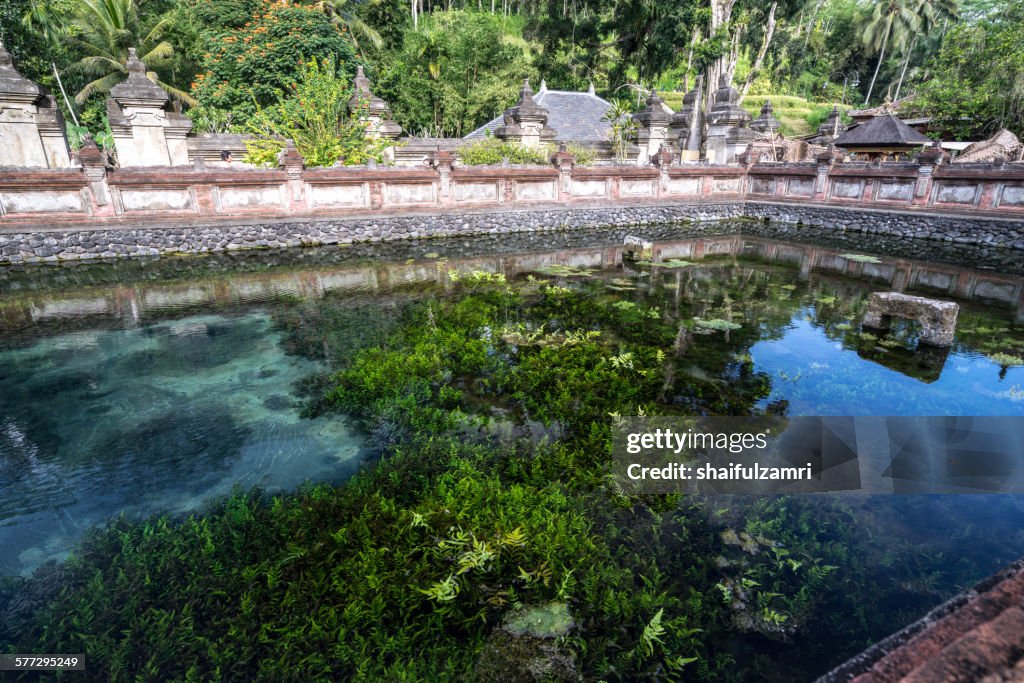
(341, 14)
(45, 20)
(108, 28)
(931, 13)
(892, 23)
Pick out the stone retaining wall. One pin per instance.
(997, 232)
(121, 240)
(33, 247)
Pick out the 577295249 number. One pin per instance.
(18, 662)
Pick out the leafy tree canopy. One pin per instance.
(250, 67)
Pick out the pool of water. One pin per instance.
(153, 387)
(159, 418)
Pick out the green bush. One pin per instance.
(490, 150)
(316, 117)
(582, 155)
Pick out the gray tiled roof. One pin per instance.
(575, 116)
(881, 131)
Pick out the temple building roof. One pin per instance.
(574, 116)
(1003, 146)
(886, 131)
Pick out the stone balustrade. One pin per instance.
(45, 212)
(29, 196)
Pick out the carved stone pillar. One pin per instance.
(294, 165)
(31, 126)
(564, 161)
(375, 112)
(443, 161)
(94, 164)
(653, 124)
(147, 131)
(526, 122)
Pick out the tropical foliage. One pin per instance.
(251, 67)
(447, 68)
(977, 79)
(315, 115)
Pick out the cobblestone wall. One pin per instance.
(75, 244)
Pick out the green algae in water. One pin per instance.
(717, 324)
(1006, 360)
(830, 574)
(549, 621)
(861, 258)
(559, 270)
(675, 263)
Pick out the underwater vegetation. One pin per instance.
(488, 541)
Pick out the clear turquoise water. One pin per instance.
(160, 418)
(145, 388)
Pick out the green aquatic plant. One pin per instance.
(716, 324)
(675, 263)
(464, 522)
(1006, 360)
(861, 258)
(652, 634)
(476, 277)
(560, 270)
(546, 621)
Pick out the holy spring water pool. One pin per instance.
(153, 387)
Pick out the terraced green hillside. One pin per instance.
(798, 116)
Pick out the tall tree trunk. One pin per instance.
(60, 84)
(689, 58)
(415, 16)
(906, 62)
(721, 12)
(734, 52)
(881, 58)
(769, 31)
(810, 22)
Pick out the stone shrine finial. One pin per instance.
(13, 83)
(526, 122)
(654, 113)
(653, 124)
(134, 64)
(728, 131)
(33, 129)
(147, 129)
(766, 123)
(377, 111)
(138, 87)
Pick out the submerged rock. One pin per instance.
(526, 649)
(549, 621)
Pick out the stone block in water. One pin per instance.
(637, 248)
(937, 318)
